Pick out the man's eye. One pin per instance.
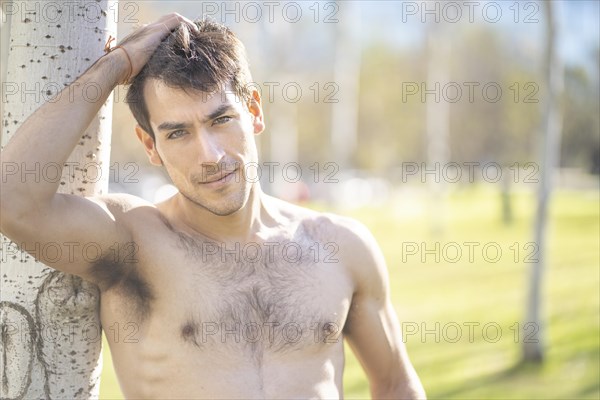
(222, 120)
(175, 134)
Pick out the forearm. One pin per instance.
(399, 390)
(50, 134)
(399, 381)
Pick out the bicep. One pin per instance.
(372, 329)
(70, 233)
(373, 332)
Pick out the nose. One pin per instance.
(210, 152)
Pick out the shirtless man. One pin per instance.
(234, 294)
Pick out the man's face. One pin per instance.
(204, 141)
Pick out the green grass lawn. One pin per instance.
(463, 313)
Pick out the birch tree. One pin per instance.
(346, 74)
(50, 329)
(533, 346)
(437, 119)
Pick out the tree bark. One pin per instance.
(437, 121)
(533, 347)
(346, 74)
(50, 330)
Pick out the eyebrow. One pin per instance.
(222, 109)
(169, 126)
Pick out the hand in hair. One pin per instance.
(139, 46)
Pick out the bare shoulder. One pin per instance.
(358, 249)
(326, 226)
(124, 207)
(120, 202)
(130, 214)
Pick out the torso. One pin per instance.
(193, 320)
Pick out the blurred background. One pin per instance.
(466, 136)
(364, 92)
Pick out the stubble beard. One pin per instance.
(224, 206)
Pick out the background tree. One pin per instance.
(533, 349)
(437, 118)
(346, 74)
(50, 327)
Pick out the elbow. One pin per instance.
(9, 218)
(417, 392)
(10, 202)
(5, 212)
(399, 389)
(9, 213)
(15, 211)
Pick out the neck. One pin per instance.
(243, 225)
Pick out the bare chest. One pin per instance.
(274, 297)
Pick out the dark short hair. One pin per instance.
(207, 60)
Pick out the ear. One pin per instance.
(256, 110)
(149, 146)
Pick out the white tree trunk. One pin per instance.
(533, 348)
(346, 74)
(437, 120)
(50, 329)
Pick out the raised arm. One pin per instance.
(33, 214)
(372, 329)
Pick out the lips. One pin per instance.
(219, 179)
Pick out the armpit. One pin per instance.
(122, 275)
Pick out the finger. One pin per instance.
(172, 21)
(188, 22)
